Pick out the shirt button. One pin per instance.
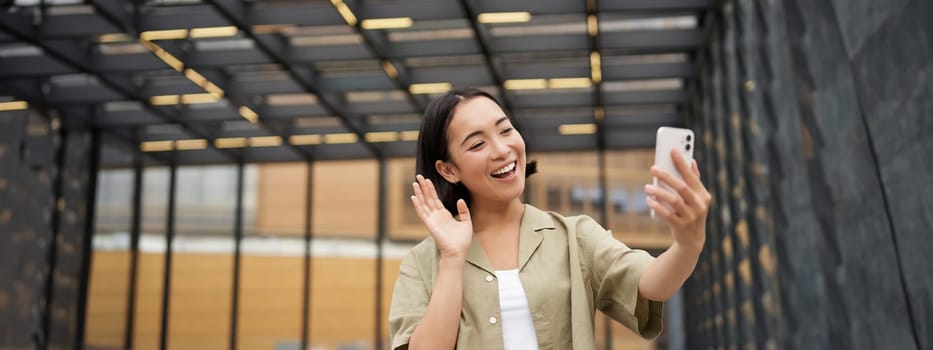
(488, 278)
(493, 320)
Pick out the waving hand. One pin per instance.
(451, 235)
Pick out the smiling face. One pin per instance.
(485, 151)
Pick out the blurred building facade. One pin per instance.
(343, 277)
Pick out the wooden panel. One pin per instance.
(342, 297)
(199, 317)
(345, 195)
(270, 301)
(344, 199)
(402, 221)
(280, 198)
(107, 297)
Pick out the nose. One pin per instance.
(500, 149)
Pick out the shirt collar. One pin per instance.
(530, 236)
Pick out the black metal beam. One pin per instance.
(121, 70)
(81, 62)
(682, 70)
(237, 244)
(668, 40)
(306, 273)
(94, 94)
(541, 140)
(34, 66)
(381, 234)
(604, 219)
(418, 10)
(107, 7)
(233, 95)
(400, 80)
(86, 243)
(307, 14)
(599, 118)
(235, 13)
(135, 231)
(488, 58)
(113, 11)
(530, 113)
(167, 268)
(654, 5)
(301, 13)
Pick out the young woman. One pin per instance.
(499, 274)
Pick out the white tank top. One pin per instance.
(518, 330)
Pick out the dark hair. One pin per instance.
(432, 144)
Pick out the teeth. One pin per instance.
(505, 169)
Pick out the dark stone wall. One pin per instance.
(26, 202)
(893, 70)
(814, 116)
(69, 277)
(42, 212)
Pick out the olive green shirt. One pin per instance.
(564, 282)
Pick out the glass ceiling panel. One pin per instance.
(374, 96)
(223, 44)
(290, 99)
(348, 66)
(643, 85)
(643, 59)
(441, 61)
(127, 48)
(615, 23)
(50, 2)
(542, 25)
(19, 50)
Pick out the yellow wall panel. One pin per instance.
(270, 301)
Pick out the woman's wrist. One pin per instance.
(454, 261)
(692, 250)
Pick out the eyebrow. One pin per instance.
(477, 132)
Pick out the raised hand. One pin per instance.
(451, 235)
(686, 208)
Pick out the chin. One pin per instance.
(516, 192)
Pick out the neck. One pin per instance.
(486, 215)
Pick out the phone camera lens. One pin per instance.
(688, 138)
(688, 146)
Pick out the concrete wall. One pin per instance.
(813, 116)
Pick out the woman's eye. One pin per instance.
(506, 131)
(476, 146)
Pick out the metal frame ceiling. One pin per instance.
(219, 81)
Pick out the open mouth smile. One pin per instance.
(504, 172)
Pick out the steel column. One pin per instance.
(167, 271)
(86, 251)
(135, 224)
(237, 243)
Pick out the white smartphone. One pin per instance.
(672, 138)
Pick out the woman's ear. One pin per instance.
(448, 171)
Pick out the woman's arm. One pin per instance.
(667, 273)
(441, 322)
(438, 329)
(685, 210)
